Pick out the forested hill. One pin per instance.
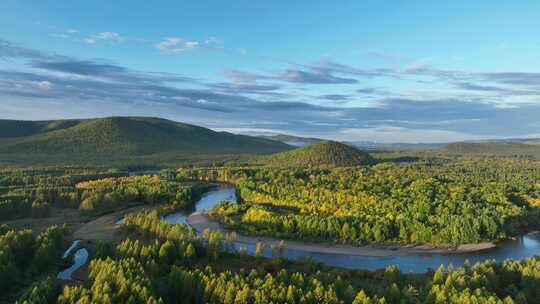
(123, 137)
(19, 128)
(322, 154)
(495, 148)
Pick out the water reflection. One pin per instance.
(207, 202)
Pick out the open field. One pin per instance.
(104, 228)
(70, 217)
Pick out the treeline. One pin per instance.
(160, 263)
(24, 256)
(55, 175)
(105, 194)
(33, 193)
(37, 202)
(439, 203)
(59, 177)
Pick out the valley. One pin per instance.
(269, 152)
(322, 223)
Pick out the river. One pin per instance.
(523, 247)
(79, 259)
(206, 202)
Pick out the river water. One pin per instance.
(79, 259)
(206, 202)
(71, 247)
(523, 247)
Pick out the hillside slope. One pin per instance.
(322, 154)
(124, 136)
(19, 128)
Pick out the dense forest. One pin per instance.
(321, 154)
(28, 193)
(152, 261)
(34, 192)
(108, 193)
(25, 256)
(436, 203)
(162, 263)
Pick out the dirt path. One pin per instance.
(59, 216)
(200, 221)
(104, 227)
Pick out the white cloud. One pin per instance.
(66, 34)
(111, 36)
(44, 85)
(175, 45)
(106, 36)
(418, 66)
(191, 44)
(214, 42)
(61, 35)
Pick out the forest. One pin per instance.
(28, 193)
(422, 203)
(25, 256)
(108, 193)
(162, 263)
(443, 201)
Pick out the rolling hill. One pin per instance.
(321, 154)
(121, 137)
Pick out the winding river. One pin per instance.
(79, 259)
(206, 202)
(524, 247)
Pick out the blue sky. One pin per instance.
(388, 71)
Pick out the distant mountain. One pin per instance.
(510, 147)
(321, 154)
(299, 141)
(528, 141)
(397, 146)
(120, 137)
(292, 140)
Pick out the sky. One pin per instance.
(384, 71)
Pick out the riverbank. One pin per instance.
(200, 221)
(103, 228)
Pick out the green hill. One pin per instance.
(18, 128)
(495, 148)
(322, 154)
(123, 137)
